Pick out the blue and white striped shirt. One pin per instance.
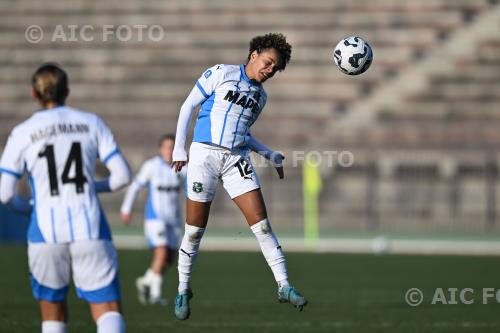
(232, 104)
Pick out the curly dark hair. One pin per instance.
(275, 41)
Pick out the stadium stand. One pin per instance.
(138, 88)
(430, 136)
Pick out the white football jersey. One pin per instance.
(232, 104)
(58, 148)
(163, 185)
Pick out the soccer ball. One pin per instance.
(353, 55)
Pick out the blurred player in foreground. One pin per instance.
(58, 147)
(231, 99)
(162, 221)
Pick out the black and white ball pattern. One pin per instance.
(353, 55)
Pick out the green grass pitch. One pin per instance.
(235, 292)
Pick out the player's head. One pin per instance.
(166, 146)
(50, 85)
(267, 55)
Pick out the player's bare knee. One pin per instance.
(258, 217)
(99, 309)
(198, 221)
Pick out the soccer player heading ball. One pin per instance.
(231, 98)
(68, 235)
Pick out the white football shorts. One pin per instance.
(207, 164)
(160, 233)
(92, 263)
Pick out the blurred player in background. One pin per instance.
(58, 147)
(231, 99)
(162, 221)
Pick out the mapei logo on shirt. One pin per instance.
(164, 188)
(244, 101)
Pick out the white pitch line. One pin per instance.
(375, 245)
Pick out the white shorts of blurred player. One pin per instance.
(207, 164)
(161, 233)
(92, 263)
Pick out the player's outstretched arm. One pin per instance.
(12, 166)
(119, 175)
(141, 180)
(275, 157)
(205, 86)
(9, 197)
(194, 99)
(114, 160)
(128, 202)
